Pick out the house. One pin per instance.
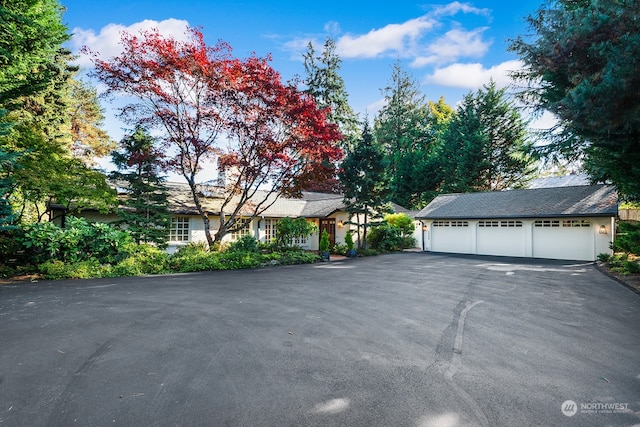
(327, 211)
(571, 222)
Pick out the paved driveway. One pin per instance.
(396, 340)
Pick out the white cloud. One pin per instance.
(393, 37)
(409, 39)
(473, 76)
(107, 41)
(457, 7)
(454, 44)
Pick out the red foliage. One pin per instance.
(275, 136)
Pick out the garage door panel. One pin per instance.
(501, 240)
(451, 236)
(563, 239)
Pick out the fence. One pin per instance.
(629, 214)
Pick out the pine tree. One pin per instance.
(407, 130)
(486, 146)
(365, 182)
(145, 211)
(327, 87)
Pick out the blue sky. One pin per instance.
(450, 48)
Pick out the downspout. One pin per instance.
(422, 227)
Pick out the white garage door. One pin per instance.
(564, 239)
(501, 237)
(451, 236)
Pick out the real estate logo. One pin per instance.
(569, 408)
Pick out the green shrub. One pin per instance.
(348, 240)
(78, 241)
(339, 249)
(288, 229)
(56, 269)
(143, 259)
(246, 243)
(324, 241)
(195, 260)
(385, 238)
(627, 238)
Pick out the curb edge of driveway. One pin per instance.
(620, 281)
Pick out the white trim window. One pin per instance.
(179, 230)
(270, 229)
(245, 224)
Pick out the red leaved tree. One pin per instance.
(271, 139)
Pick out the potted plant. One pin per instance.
(348, 240)
(324, 246)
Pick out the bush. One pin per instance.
(324, 241)
(621, 263)
(627, 238)
(87, 269)
(143, 259)
(79, 241)
(339, 249)
(385, 238)
(246, 243)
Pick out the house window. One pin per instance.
(244, 229)
(546, 223)
(576, 223)
(270, 229)
(179, 231)
(299, 241)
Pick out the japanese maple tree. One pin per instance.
(266, 134)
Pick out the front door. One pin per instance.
(329, 224)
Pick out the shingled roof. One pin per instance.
(583, 200)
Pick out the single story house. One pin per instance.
(327, 211)
(573, 223)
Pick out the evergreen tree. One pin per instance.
(327, 87)
(407, 130)
(145, 211)
(365, 182)
(486, 146)
(582, 65)
(36, 81)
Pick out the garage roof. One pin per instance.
(583, 200)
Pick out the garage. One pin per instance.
(572, 223)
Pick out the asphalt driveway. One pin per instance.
(408, 339)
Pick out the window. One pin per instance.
(179, 231)
(299, 241)
(546, 223)
(450, 223)
(576, 223)
(270, 229)
(244, 230)
(504, 223)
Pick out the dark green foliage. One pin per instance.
(485, 146)
(627, 238)
(410, 131)
(8, 162)
(327, 87)
(385, 238)
(145, 212)
(31, 34)
(79, 241)
(365, 181)
(621, 263)
(582, 65)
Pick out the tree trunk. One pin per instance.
(202, 212)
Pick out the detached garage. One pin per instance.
(573, 223)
